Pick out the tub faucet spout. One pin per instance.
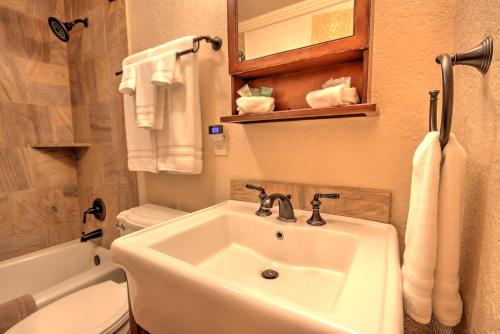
(91, 235)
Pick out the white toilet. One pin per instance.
(101, 308)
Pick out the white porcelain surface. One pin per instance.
(57, 271)
(200, 273)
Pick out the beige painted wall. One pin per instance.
(375, 152)
(477, 124)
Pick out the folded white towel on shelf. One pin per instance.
(349, 95)
(149, 99)
(179, 143)
(447, 304)
(324, 98)
(421, 230)
(255, 104)
(141, 143)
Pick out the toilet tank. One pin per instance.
(144, 216)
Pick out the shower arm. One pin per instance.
(71, 24)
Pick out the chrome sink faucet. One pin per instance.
(266, 203)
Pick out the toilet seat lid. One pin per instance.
(93, 310)
(147, 215)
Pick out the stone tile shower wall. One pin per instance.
(38, 188)
(94, 55)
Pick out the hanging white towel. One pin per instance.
(164, 69)
(141, 143)
(447, 304)
(421, 230)
(179, 143)
(149, 99)
(129, 80)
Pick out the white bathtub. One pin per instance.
(55, 272)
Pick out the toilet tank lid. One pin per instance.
(147, 215)
(95, 309)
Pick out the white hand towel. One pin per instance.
(149, 99)
(180, 142)
(421, 230)
(324, 98)
(141, 143)
(164, 69)
(349, 95)
(129, 80)
(447, 304)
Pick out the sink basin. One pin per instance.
(206, 273)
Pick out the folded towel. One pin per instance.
(421, 230)
(179, 143)
(349, 96)
(164, 69)
(447, 304)
(323, 98)
(149, 99)
(129, 80)
(255, 104)
(141, 143)
(15, 310)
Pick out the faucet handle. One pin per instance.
(316, 219)
(258, 188)
(262, 212)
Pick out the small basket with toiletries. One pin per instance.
(255, 100)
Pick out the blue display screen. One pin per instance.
(215, 129)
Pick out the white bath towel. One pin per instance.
(179, 143)
(149, 99)
(141, 143)
(447, 304)
(421, 230)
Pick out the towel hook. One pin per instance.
(478, 57)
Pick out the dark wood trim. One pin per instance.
(357, 110)
(336, 51)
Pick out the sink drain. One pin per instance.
(269, 274)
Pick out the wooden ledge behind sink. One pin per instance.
(371, 204)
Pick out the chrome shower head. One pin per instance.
(62, 29)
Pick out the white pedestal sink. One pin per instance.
(201, 273)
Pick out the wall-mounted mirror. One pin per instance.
(273, 26)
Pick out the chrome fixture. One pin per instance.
(285, 207)
(316, 219)
(262, 196)
(478, 57)
(98, 209)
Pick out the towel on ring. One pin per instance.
(446, 301)
(422, 230)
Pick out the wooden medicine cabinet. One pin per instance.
(294, 46)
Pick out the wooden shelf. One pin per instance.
(61, 145)
(358, 110)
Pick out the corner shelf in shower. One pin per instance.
(358, 110)
(62, 145)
